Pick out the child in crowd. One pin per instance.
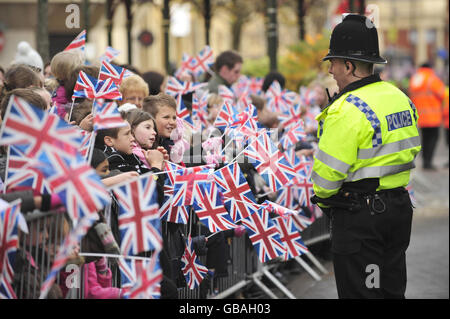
(133, 89)
(62, 66)
(19, 76)
(82, 115)
(163, 108)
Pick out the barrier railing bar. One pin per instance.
(316, 262)
(307, 268)
(277, 283)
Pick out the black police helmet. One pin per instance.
(355, 38)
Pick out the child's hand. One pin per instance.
(155, 158)
(164, 151)
(87, 123)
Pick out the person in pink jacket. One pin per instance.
(98, 281)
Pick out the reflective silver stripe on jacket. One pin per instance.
(324, 183)
(389, 148)
(332, 162)
(378, 171)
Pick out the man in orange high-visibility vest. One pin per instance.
(445, 119)
(427, 93)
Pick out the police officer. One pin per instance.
(368, 140)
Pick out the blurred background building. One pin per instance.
(411, 31)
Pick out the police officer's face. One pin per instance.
(339, 71)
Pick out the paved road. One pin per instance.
(428, 253)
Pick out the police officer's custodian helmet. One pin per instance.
(355, 38)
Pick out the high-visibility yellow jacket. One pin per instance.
(368, 131)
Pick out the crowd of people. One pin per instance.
(147, 141)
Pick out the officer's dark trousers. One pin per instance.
(369, 248)
(430, 136)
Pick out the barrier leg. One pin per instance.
(307, 268)
(263, 287)
(316, 262)
(278, 283)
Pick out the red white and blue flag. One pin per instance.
(186, 67)
(139, 223)
(290, 237)
(271, 207)
(270, 163)
(300, 220)
(226, 94)
(78, 43)
(264, 236)
(291, 117)
(111, 71)
(225, 115)
(203, 61)
(278, 100)
(293, 135)
(193, 270)
(85, 86)
(237, 195)
(22, 174)
(142, 276)
(32, 130)
(169, 212)
(184, 191)
(107, 116)
(110, 54)
(177, 88)
(210, 209)
(107, 90)
(76, 183)
(9, 242)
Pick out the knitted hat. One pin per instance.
(27, 55)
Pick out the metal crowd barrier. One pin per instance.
(47, 231)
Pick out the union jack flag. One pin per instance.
(255, 85)
(290, 237)
(305, 186)
(226, 94)
(237, 195)
(224, 116)
(278, 100)
(76, 183)
(270, 163)
(193, 270)
(77, 43)
(264, 236)
(169, 212)
(288, 196)
(203, 61)
(200, 110)
(85, 144)
(21, 173)
(142, 276)
(111, 71)
(66, 250)
(243, 100)
(210, 209)
(294, 134)
(291, 117)
(300, 220)
(9, 241)
(272, 207)
(32, 130)
(139, 223)
(302, 165)
(107, 90)
(85, 86)
(110, 54)
(176, 88)
(184, 191)
(107, 116)
(307, 96)
(186, 67)
(183, 113)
